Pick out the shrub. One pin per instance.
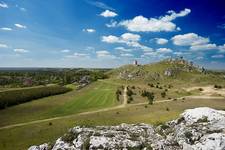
(200, 89)
(170, 86)
(204, 119)
(150, 84)
(129, 92)
(130, 98)
(164, 126)
(180, 120)
(163, 94)
(118, 93)
(217, 86)
(69, 137)
(149, 95)
(167, 109)
(188, 134)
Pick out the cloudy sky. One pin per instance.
(110, 33)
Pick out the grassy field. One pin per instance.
(22, 137)
(98, 95)
(94, 96)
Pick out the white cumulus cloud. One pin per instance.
(218, 56)
(129, 39)
(123, 49)
(3, 46)
(65, 51)
(111, 24)
(161, 41)
(189, 39)
(110, 39)
(105, 54)
(127, 55)
(221, 48)
(20, 50)
(6, 29)
(108, 13)
(164, 50)
(23, 9)
(203, 47)
(20, 26)
(89, 30)
(163, 23)
(78, 55)
(3, 5)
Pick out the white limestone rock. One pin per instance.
(196, 129)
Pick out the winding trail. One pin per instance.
(123, 105)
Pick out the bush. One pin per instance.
(130, 98)
(129, 92)
(170, 86)
(118, 93)
(69, 137)
(204, 119)
(164, 126)
(218, 86)
(15, 97)
(200, 89)
(151, 85)
(188, 134)
(163, 94)
(149, 95)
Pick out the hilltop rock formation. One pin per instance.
(196, 129)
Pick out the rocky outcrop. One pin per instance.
(196, 129)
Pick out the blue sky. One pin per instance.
(110, 33)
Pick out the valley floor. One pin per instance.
(44, 120)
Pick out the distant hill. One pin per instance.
(166, 70)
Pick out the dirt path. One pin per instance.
(123, 105)
(208, 90)
(125, 96)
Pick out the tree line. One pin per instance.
(26, 78)
(15, 97)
